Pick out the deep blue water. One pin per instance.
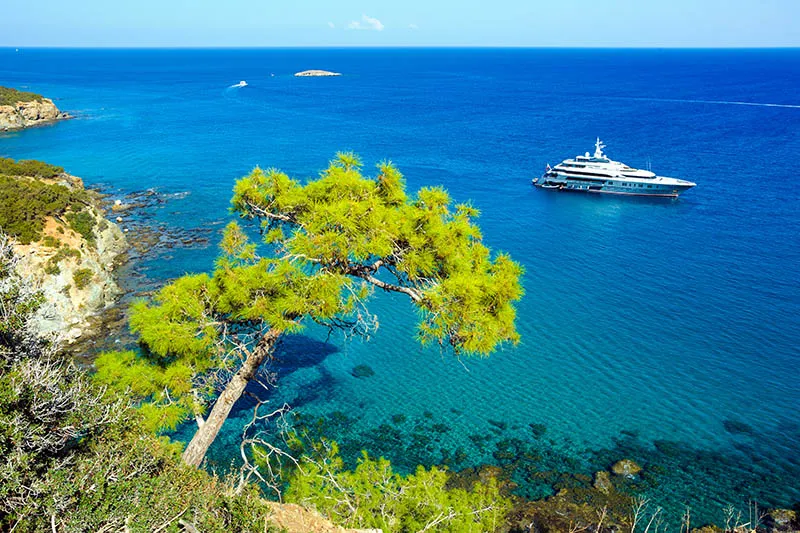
(665, 331)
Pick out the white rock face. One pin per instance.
(26, 114)
(68, 305)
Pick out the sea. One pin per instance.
(662, 331)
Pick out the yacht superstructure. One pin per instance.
(599, 174)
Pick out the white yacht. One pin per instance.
(599, 174)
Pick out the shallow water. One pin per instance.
(644, 322)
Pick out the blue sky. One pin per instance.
(612, 23)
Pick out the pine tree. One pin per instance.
(330, 243)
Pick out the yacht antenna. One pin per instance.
(598, 148)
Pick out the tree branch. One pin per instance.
(363, 273)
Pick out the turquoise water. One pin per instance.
(664, 331)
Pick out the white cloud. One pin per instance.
(413, 27)
(366, 23)
(331, 25)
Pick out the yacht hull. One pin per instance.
(672, 191)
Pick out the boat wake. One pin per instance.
(715, 102)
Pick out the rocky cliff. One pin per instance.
(20, 115)
(75, 269)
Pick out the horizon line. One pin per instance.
(402, 46)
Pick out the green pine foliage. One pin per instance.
(9, 96)
(353, 225)
(374, 497)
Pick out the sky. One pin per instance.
(552, 23)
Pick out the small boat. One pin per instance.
(599, 174)
(240, 84)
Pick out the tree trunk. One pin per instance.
(205, 435)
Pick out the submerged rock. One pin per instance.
(626, 468)
(362, 371)
(602, 482)
(782, 520)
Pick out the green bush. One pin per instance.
(51, 242)
(28, 167)
(373, 496)
(82, 277)
(83, 222)
(52, 267)
(9, 96)
(26, 203)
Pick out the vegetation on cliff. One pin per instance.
(63, 240)
(9, 96)
(28, 201)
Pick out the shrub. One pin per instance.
(82, 277)
(373, 496)
(27, 203)
(28, 167)
(83, 222)
(51, 242)
(9, 96)
(52, 267)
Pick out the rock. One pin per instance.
(602, 482)
(70, 304)
(317, 73)
(626, 468)
(362, 371)
(296, 519)
(25, 114)
(782, 520)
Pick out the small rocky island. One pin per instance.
(19, 109)
(316, 73)
(63, 242)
